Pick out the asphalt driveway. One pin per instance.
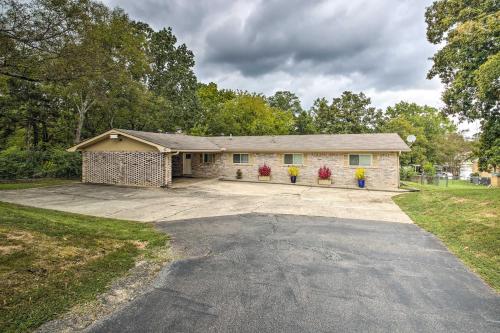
(288, 273)
(193, 198)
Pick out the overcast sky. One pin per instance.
(312, 48)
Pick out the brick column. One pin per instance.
(168, 169)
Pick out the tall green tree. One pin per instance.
(489, 145)
(290, 102)
(430, 127)
(35, 35)
(211, 100)
(285, 100)
(172, 77)
(248, 114)
(469, 31)
(304, 123)
(469, 63)
(349, 113)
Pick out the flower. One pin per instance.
(324, 172)
(264, 170)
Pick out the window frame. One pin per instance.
(239, 163)
(207, 161)
(293, 158)
(359, 165)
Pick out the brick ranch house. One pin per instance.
(137, 158)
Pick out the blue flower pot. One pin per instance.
(361, 183)
(293, 179)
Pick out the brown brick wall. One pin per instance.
(384, 172)
(126, 168)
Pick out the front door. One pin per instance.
(186, 164)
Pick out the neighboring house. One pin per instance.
(151, 159)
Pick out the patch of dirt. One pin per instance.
(8, 249)
(138, 281)
(20, 236)
(140, 244)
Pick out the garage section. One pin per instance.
(126, 157)
(124, 168)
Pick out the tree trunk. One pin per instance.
(82, 107)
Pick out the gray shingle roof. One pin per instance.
(175, 141)
(279, 143)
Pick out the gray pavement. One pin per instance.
(289, 273)
(194, 198)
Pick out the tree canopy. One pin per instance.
(469, 64)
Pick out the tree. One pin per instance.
(431, 128)
(489, 145)
(304, 123)
(248, 114)
(172, 77)
(287, 101)
(468, 63)
(111, 57)
(210, 100)
(350, 113)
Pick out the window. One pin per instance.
(208, 158)
(360, 160)
(240, 158)
(295, 159)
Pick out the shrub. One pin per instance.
(429, 169)
(239, 174)
(407, 172)
(324, 173)
(264, 170)
(16, 163)
(360, 173)
(293, 171)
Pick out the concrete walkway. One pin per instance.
(193, 198)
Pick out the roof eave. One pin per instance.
(98, 138)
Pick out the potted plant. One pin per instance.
(293, 171)
(239, 174)
(360, 176)
(324, 176)
(264, 173)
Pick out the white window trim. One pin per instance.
(232, 158)
(203, 158)
(292, 159)
(361, 166)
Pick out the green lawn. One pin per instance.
(19, 185)
(50, 261)
(465, 217)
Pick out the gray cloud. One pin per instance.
(359, 45)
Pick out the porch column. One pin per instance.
(168, 170)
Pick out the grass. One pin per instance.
(42, 182)
(466, 218)
(51, 261)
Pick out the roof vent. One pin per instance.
(114, 136)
